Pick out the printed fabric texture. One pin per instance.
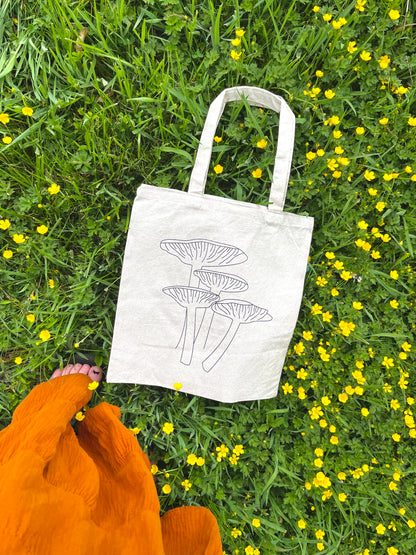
(91, 493)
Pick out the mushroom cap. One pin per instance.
(222, 282)
(191, 296)
(243, 311)
(204, 252)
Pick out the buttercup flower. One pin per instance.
(262, 143)
(4, 224)
(383, 121)
(394, 14)
(19, 238)
(4, 118)
(168, 428)
(329, 94)
(240, 32)
(54, 189)
(218, 169)
(257, 173)
(352, 46)
(166, 489)
(44, 335)
(7, 140)
(186, 484)
(301, 524)
(42, 229)
(384, 61)
(366, 56)
(26, 111)
(235, 55)
(255, 522)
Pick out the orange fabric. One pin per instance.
(62, 494)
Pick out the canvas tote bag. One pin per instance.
(211, 287)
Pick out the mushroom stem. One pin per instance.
(188, 344)
(220, 349)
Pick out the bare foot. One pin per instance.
(93, 372)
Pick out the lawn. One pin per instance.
(97, 97)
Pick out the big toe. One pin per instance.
(95, 373)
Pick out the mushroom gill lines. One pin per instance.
(202, 254)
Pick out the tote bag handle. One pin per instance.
(286, 137)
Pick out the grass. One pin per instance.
(119, 92)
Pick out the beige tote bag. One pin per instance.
(211, 287)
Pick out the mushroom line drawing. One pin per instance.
(192, 299)
(239, 312)
(202, 253)
(217, 282)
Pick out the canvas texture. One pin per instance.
(211, 287)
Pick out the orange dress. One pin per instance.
(63, 494)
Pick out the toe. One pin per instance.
(67, 370)
(76, 369)
(57, 373)
(85, 368)
(95, 373)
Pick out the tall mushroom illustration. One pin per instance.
(218, 283)
(239, 312)
(201, 253)
(190, 298)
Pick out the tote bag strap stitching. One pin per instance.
(286, 136)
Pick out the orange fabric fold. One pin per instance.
(62, 494)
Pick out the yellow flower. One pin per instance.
(316, 309)
(369, 175)
(394, 303)
(319, 73)
(326, 317)
(372, 192)
(320, 546)
(79, 416)
(235, 55)
(412, 122)
(19, 238)
(301, 374)
(287, 388)
(394, 14)
(217, 139)
(186, 484)
(392, 551)
(310, 155)
(334, 292)
(384, 61)
(54, 189)
(240, 33)
(262, 143)
(4, 118)
(360, 130)
(334, 440)
(340, 23)
(388, 363)
(18, 360)
(357, 305)
(256, 523)
(343, 397)
(402, 90)
(44, 335)
(51, 283)
(177, 386)
(135, 430)
(7, 254)
(301, 524)
(307, 335)
(337, 134)
(406, 346)
(380, 206)
(26, 111)
(316, 9)
(365, 411)
(236, 42)
(166, 489)
(7, 140)
(93, 385)
(30, 318)
(380, 529)
(167, 428)
(411, 523)
(218, 169)
(352, 46)
(321, 480)
(345, 275)
(366, 56)
(327, 17)
(396, 437)
(42, 229)
(191, 459)
(301, 393)
(320, 534)
(383, 121)
(4, 224)
(319, 452)
(320, 152)
(394, 274)
(200, 461)
(256, 173)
